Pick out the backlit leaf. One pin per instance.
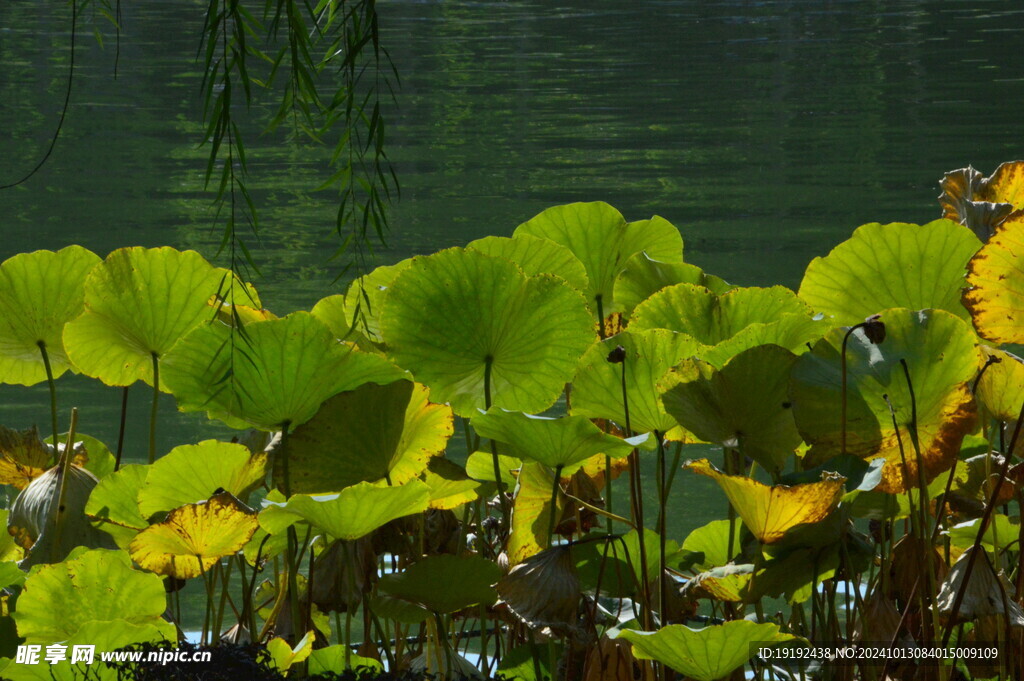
(995, 298)
(444, 583)
(535, 255)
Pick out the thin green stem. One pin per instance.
(553, 521)
(505, 510)
(65, 466)
(153, 410)
(53, 392)
(121, 428)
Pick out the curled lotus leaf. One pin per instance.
(648, 356)
(374, 432)
(274, 375)
(769, 512)
(531, 512)
(23, 456)
(744, 405)
(195, 536)
(534, 256)
(983, 203)
(351, 514)
(480, 333)
(444, 583)
(707, 654)
(644, 276)
(191, 473)
(603, 241)
(941, 357)
(139, 302)
(985, 591)
(995, 275)
(40, 292)
(36, 527)
(564, 442)
(59, 599)
(544, 591)
(895, 265)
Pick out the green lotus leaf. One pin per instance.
(744, 405)
(711, 319)
(99, 460)
(601, 238)
(597, 389)
(333, 311)
(480, 466)
(531, 512)
(522, 664)
(333, 659)
(397, 610)
(40, 292)
(1001, 387)
(452, 316)
(794, 332)
(58, 599)
(367, 434)
(114, 501)
(355, 316)
(563, 443)
(645, 276)
(713, 540)
(277, 374)
(353, 513)
(995, 298)
(1002, 532)
(450, 485)
(445, 583)
(707, 654)
(534, 256)
(895, 265)
(139, 303)
(9, 549)
(194, 537)
(10, 574)
(191, 473)
(941, 355)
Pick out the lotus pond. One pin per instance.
(861, 430)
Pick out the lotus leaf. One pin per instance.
(983, 203)
(729, 584)
(544, 591)
(59, 599)
(139, 303)
(601, 238)
(771, 512)
(531, 512)
(333, 659)
(644, 276)
(713, 541)
(114, 503)
(941, 357)
(39, 293)
(356, 315)
(985, 591)
(621, 575)
(535, 255)
(191, 473)
(1002, 532)
(563, 443)
(458, 318)
(743, 405)
(23, 456)
(995, 298)
(895, 265)
(444, 583)
(276, 375)
(283, 656)
(597, 389)
(194, 537)
(480, 466)
(351, 514)
(450, 485)
(371, 433)
(9, 548)
(707, 654)
(1001, 388)
(794, 332)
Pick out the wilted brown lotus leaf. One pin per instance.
(343, 573)
(983, 203)
(612, 660)
(975, 484)
(544, 592)
(988, 630)
(881, 620)
(31, 519)
(909, 574)
(987, 593)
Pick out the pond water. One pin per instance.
(766, 131)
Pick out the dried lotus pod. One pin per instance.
(544, 592)
(31, 519)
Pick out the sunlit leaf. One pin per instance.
(453, 316)
(983, 203)
(556, 442)
(450, 485)
(895, 265)
(1001, 388)
(332, 659)
(744, 405)
(531, 512)
(444, 583)
(194, 537)
(644, 276)
(995, 298)
(59, 599)
(535, 255)
(114, 501)
(283, 656)
(367, 434)
(139, 303)
(708, 654)
(352, 513)
(39, 293)
(23, 456)
(941, 356)
(277, 374)
(597, 389)
(770, 512)
(713, 540)
(601, 238)
(191, 473)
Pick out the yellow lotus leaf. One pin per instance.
(24, 456)
(995, 274)
(194, 537)
(1001, 387)
(983, 203)
(769, 512)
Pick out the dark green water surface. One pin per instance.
(767, 131)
